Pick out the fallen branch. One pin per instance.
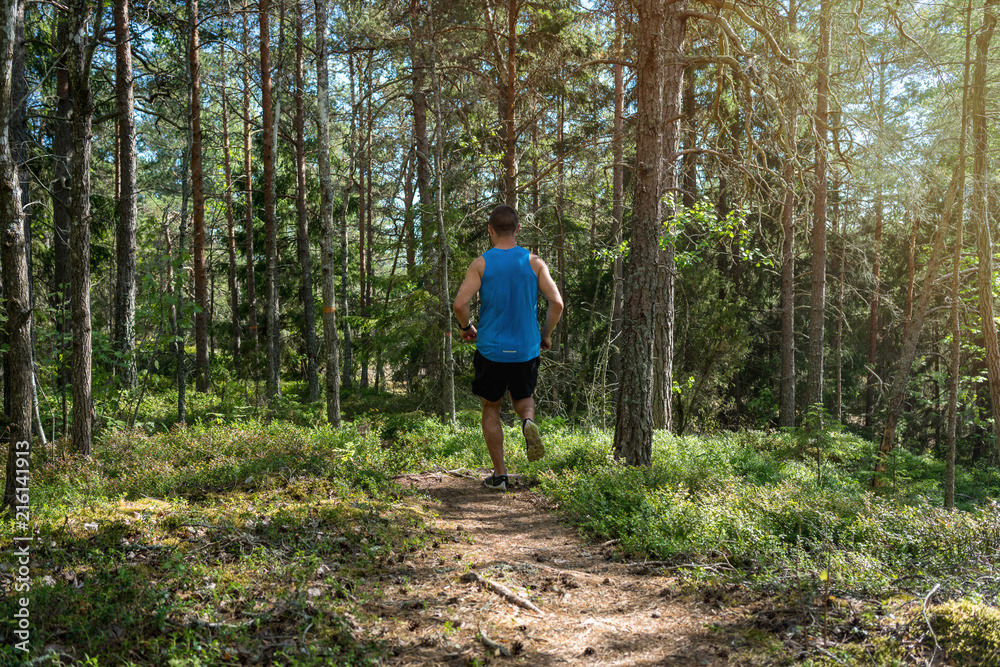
(492, 645)
(569, 573)
(502, 591)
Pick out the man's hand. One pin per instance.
(546, 343)
(469, 335)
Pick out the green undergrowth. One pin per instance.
(239, 541)
(213, 545)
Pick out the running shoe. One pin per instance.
(498, 482)
(533, 438)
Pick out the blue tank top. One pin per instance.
(507, 330)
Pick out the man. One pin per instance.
(508, 279)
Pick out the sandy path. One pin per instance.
(595, 612)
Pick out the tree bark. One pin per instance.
(62, 149)
(786, 410)
(817, 299)
(302, 229)
(123, 341)
(13, 252)
(617, 191)
(80, 55)
(873, 327)
(448, 378)
(981, 208)
(273, 387)
(328, 265)
(956, 283)
(661, 29)
(663, 342)
(347, 377)
(234, 287)
(198, 208)
(248, 226)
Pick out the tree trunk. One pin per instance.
(62, 149)
(509, 125)
(13, 252)
(901, 374)
(786, 409)
(617, 191)
(328, 264)
(234, 288)
(956, 283)
(347, 377)
(817, 300)
(270, 230)
(198, 209)
(661, 27)
(663, 331)
(873, 328)
(125, 241)
(80, 56)
(362, 236)
(248, 226)
(981, 208)
(302, 235)
(839, 344)
(448, 383)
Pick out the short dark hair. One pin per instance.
(503, 220)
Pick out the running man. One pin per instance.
(508, 279)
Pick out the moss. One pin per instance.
(969, 632)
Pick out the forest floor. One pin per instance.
(594, 610)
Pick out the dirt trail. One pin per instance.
(594, 611)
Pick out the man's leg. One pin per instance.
(493, 434)
(524, 407)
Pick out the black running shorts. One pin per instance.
(494, 378)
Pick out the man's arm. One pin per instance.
(548, 288)
(470, 286)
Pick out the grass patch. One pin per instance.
(212, 545)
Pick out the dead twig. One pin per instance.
(492, 645)
(547, 568)
(927, 620)
(502, 591)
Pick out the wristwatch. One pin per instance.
(468, 327)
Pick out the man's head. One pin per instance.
(503, 220)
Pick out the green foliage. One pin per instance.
(754, 502)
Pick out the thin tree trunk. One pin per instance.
(661, 30)
(956, 282)
(302, 235)
(234, 288)
(13, 251)
(80, 56)
(181, 278)
(248, 196)
(663, 331)
(981, 208)
(786, 411)
(817, 302)
(362, 235)
(124, 321)
(839, 344)
(873, 328)
(328, 264)
(901, 374)
(448, 384)
(509, 127)
(347, 377)
(62, 149)
(198, 209)
(617, 191)
(270, 228)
